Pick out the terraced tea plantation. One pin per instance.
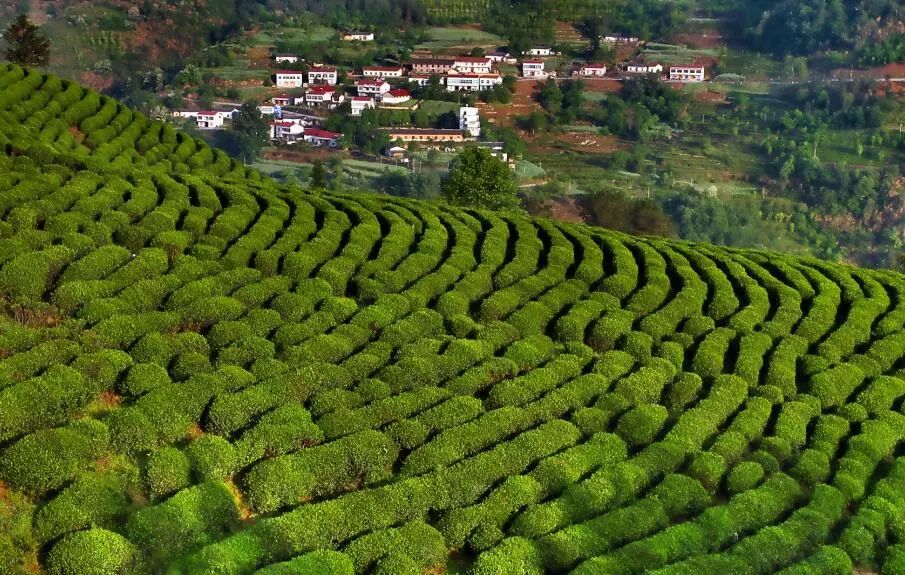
(205, 373)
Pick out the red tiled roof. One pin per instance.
(361, 98)
(207, 113)
(322, 90)
(471, 59)
(318, 133)
(370, 83)
(322, 69)
(284, 124)
(299, 72)
(383, 68)
(399, 93)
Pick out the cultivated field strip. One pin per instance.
(204, 372)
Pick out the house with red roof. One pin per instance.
(397, 96)
(323, 96)
(319, 74)
(592, 70)
(209, 119)
(286, 131)
(372, 87)
(322, 138)
(473, 65)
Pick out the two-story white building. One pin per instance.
(470, 120)
(533, 69)
(324, 97)
(286, 131)
(382, 72)
(372, 87)
(289, 78)
(687, 73)
(592, 70)
(456, 82)
(473, 65)
(323, 75)
(361, 103)
(209, 120)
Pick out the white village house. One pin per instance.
(323, 75)
(282, 100)
(289, 78)
(456, 82)
(619, 39)
(592, 70)
(643, 68)
(358, 36)
(382, 72)
(371, 87)
(209, 119)
(539, 51)
(501, 57)
(533, 69)
(323, 96)
(281, 58)
(398, 96)
(361, 103)
(470, 120)
(324, 138)
(473, 65)
(286, 131)
(687, 73)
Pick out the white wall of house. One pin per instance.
(290, 80)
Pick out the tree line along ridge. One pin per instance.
(203, 371)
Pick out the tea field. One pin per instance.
(205, 372)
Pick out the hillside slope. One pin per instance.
(203, 372)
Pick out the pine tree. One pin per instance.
(25, 45)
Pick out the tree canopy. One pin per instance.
(479, 180)
(25, 44)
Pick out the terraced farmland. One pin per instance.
(206, 373)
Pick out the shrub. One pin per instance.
(91, 500)
(744, 476)
(47, 459)
(168, 470)
(514, 556)
(640, 425)
(91, 552)
(212, 458)
(322, 562)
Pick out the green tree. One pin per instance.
(318, 175)
(251, 131)
(550, 97)
(25, 45)
(480, 180)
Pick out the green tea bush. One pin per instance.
(92, 552)
(168, 470)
